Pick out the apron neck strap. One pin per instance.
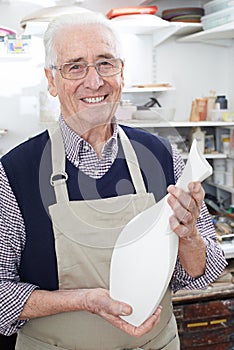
(59, 176)
(132, 162)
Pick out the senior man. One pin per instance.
(66, 194)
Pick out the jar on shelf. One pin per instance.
(221, 102)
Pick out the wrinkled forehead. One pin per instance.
(84, 38)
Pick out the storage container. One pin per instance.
(229, 179)
(218, 177)
(219, 164)
(217, 5)
(229, 165)
(217, 19)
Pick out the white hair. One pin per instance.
(68, 20)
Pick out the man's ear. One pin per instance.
(51, 83)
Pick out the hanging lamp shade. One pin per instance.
(46, 14)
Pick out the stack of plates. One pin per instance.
(183, 14)
(131, 10)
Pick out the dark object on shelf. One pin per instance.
(222, 101)
(183, 14)
(8, 343)
(153, 101)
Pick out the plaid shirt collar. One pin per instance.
(76, 148)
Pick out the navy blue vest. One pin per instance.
(30, 182)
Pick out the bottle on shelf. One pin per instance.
(199, 135)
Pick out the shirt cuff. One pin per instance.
(215, 264)
(10, 323)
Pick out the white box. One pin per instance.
(217, 19)
(218, 177)
(219, 164)
(229, 179)
(217, 5)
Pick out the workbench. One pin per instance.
(205, 318)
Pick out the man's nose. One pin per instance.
(93, 80)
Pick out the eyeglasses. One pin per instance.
(79, 70)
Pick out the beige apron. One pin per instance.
(85, 233)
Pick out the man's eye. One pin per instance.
(76, 67)
(105, 63)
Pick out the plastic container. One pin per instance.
(219, 164)
(219, 177)
(226, 145)
(125, 110)
(217, 5)
(200, 137)
(18, 44)
(229, 165)
(165, 113)
(217, 19)
(155, 113)
(229, 179)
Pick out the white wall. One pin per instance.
(194, 69)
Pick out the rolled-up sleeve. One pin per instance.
(13, 293)
(215, 260)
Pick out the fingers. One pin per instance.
(186, 207)
(149, 324)
(137, 332)
(98, 301)
(197, 192)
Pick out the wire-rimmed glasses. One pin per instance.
(78, 70)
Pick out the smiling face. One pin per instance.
(92, 99)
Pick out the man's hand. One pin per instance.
(45, 303)
(98, 301)
(186, 207)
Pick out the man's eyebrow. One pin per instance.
(82, 59)
(77, 59)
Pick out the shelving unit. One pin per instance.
(175, 124)
(160, 29)
(222, 187)
(147, 89)
(221, 192)
(222, 35)
(183, 128)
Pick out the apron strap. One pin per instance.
(132, 162)
(59, 176)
